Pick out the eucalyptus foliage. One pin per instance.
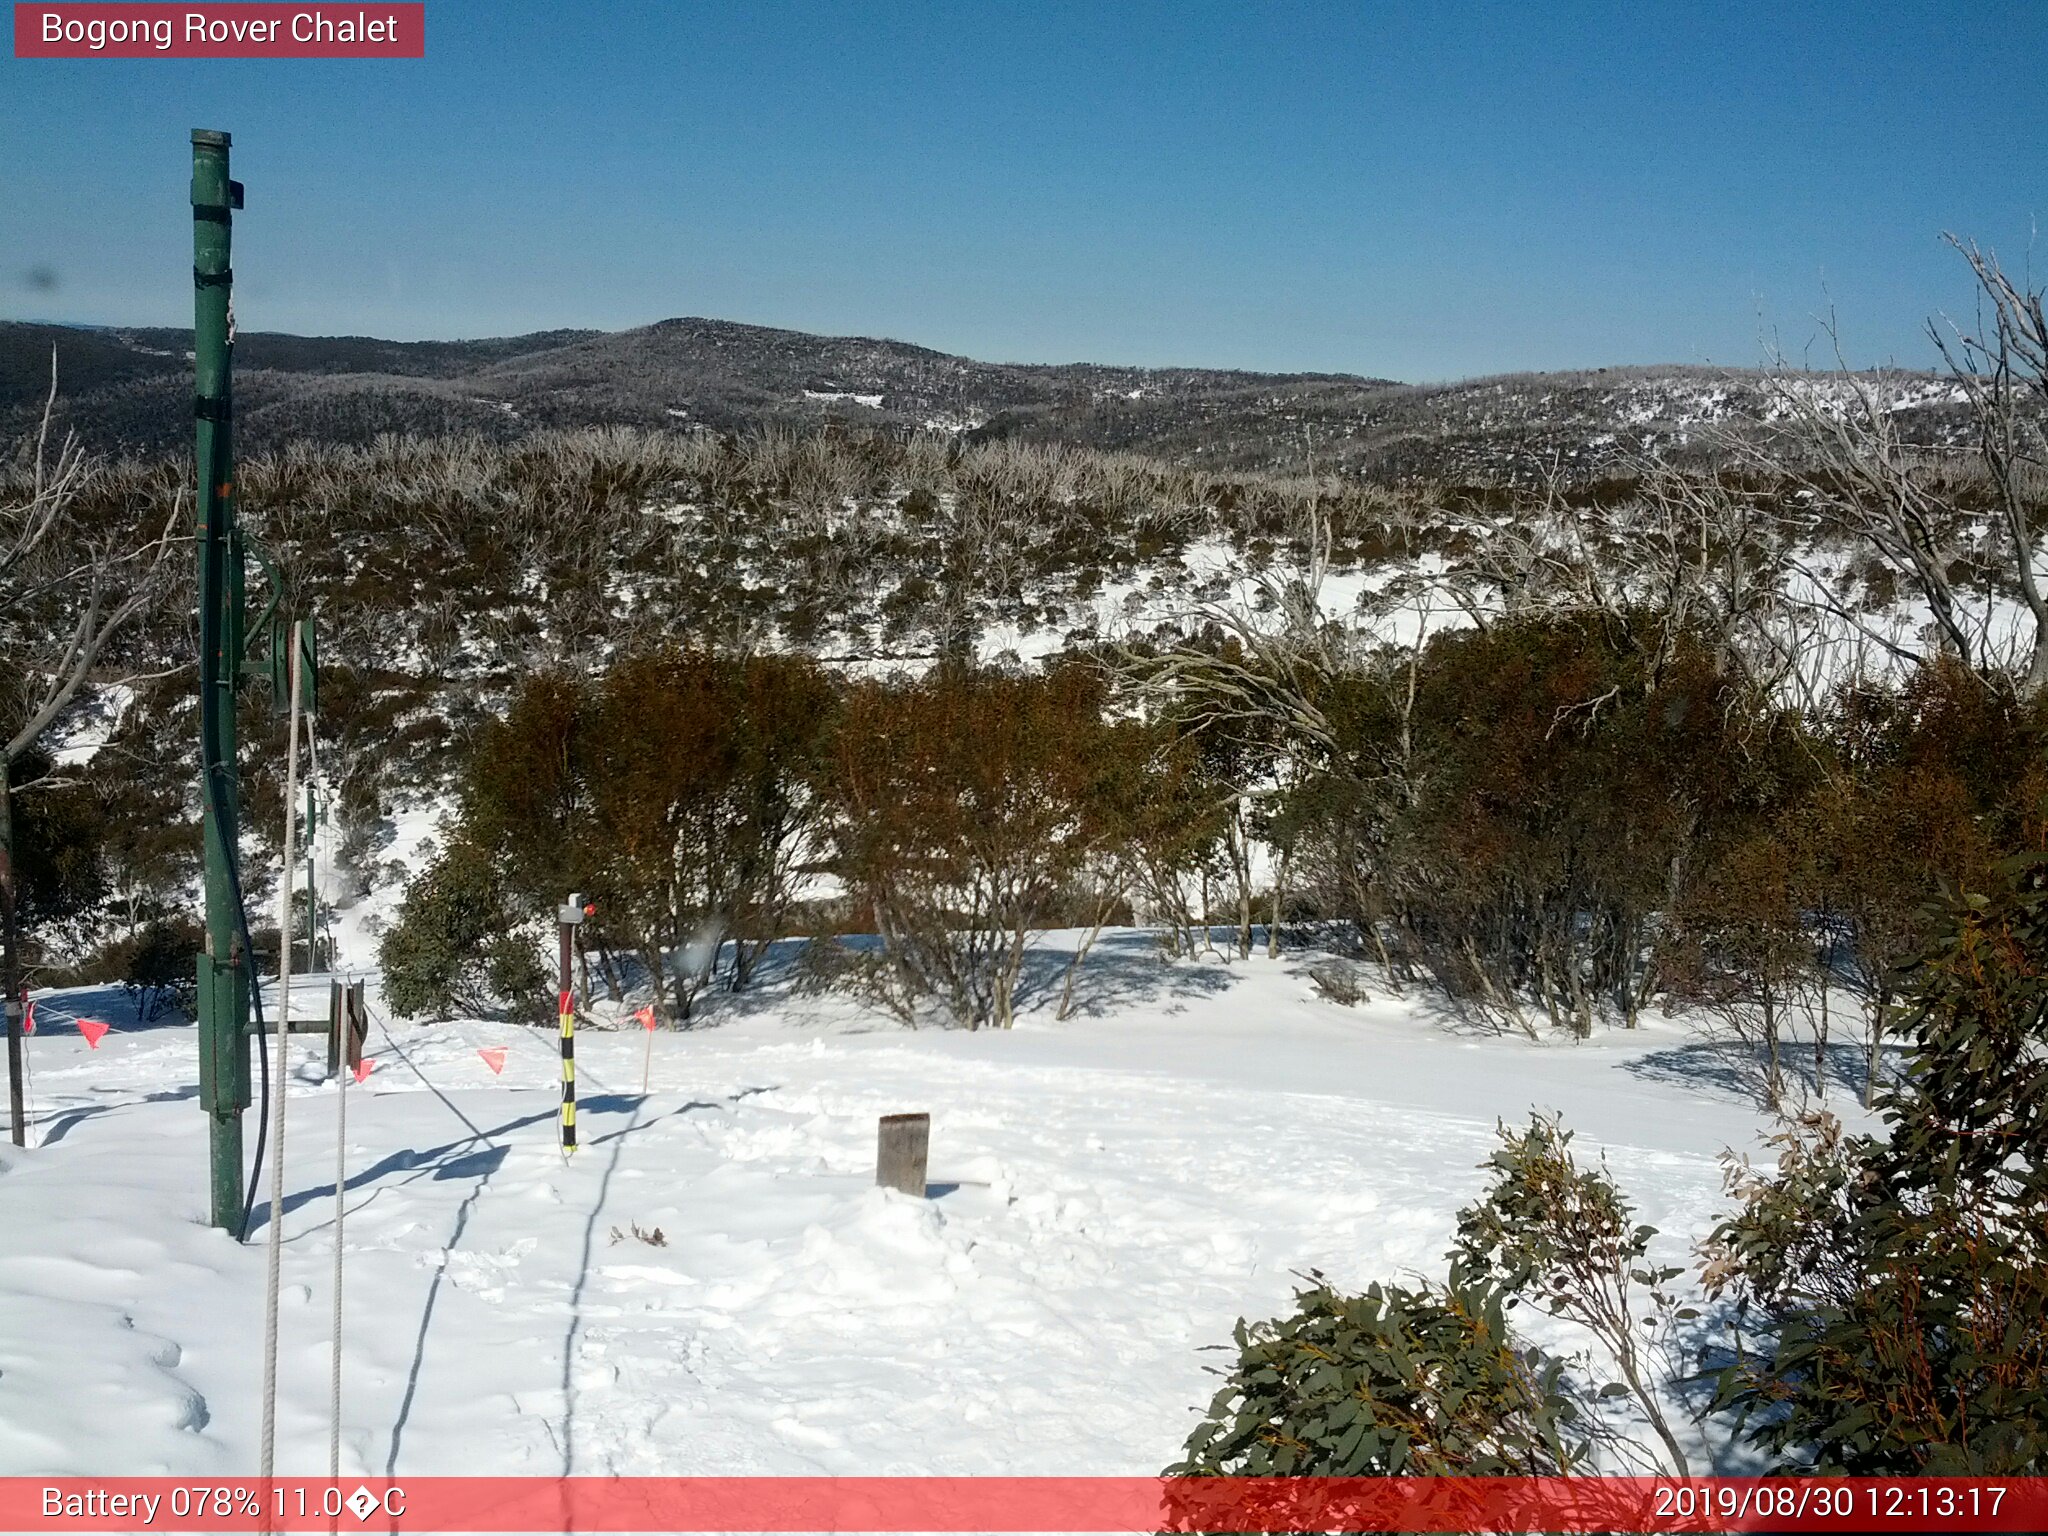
(1904, 1277)
(1393, 1382)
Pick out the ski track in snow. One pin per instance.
(1108, 1196)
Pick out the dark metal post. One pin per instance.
(357, 1013)
(223, 968)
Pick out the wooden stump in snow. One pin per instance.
(901, 1151)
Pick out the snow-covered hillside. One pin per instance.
(1107, 1197)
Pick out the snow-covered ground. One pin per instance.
(1108, 1195)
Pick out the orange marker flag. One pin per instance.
(494, 1057)
(646, 1018)
(93, 1030)
(363, 1068)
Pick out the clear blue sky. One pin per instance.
(1424, 191)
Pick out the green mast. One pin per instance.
(223, 969)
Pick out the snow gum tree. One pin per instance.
(676, 789)
(964, 806)
(1396, 1381)
(1565, 1236)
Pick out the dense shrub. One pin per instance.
(460, 945)
(1393, 1382)
(963, 806)
(1904, 1277)
(698, 777)
(159, 965)
(1512, 811)
(676, 790)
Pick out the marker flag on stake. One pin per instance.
(646, 1018)
(363, 1068)
(494, 1057)
(93, 1030)
(28, 1018)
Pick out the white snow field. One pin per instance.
(1108, 1196)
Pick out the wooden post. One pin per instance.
(357, 1013)
(903, 1146)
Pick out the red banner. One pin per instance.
(234, 31)
(1021, 1504)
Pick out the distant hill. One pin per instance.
(128, 390)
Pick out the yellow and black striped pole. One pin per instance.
(568, 1006)
(573, 912)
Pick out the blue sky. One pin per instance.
(1422, 191)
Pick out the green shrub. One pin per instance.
(1904, 1278)
(159, 965)
(1564, 1237)
(457, 948)
(1395, 1382)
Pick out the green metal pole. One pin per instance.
(223, 968)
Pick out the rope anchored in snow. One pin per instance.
(267, 1454)
(340, 1210)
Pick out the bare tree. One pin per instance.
(1264, 678)
(1847, 448)
(2001, 368)
(1702, 557)
(66, 590)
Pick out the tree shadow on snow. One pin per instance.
(768, 984)
(61, 1123)
(1737, 1070)
(481, 1164)
(575, 1328)
(417, 1162)
(1126, 967)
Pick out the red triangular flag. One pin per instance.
(494, 1057)
(646, 1016)
(92, 1029)
(28, 1019)
(363, 1068)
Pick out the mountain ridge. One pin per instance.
(126, 389)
